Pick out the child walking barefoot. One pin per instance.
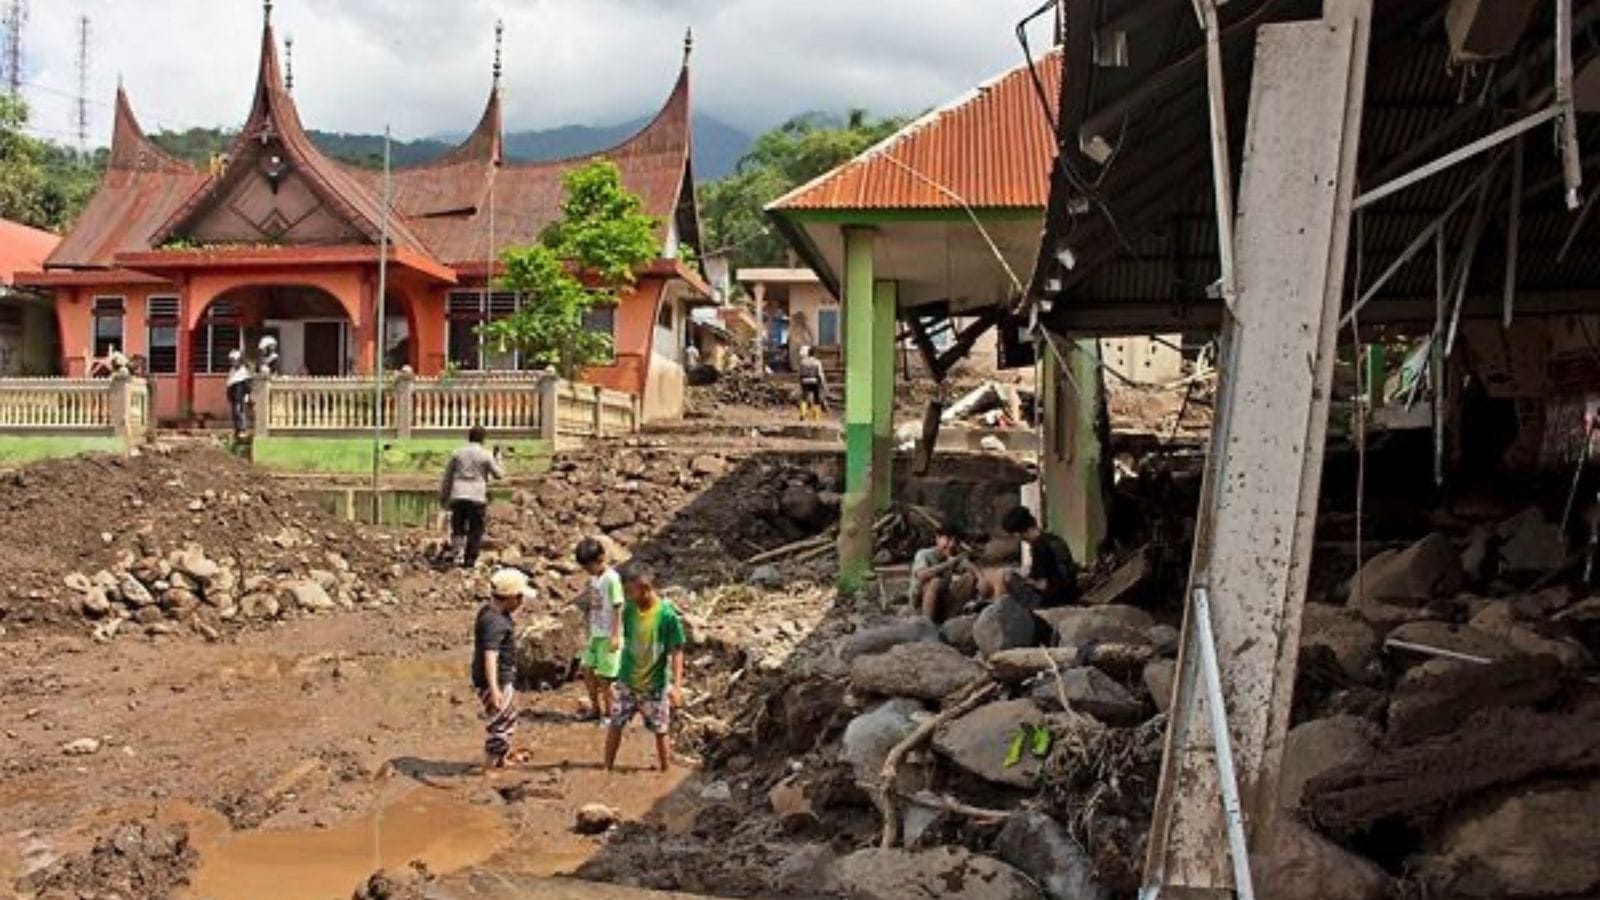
(650, 681)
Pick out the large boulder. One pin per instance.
(1078, 625)
(1319, 746)
(1300, 864)
(1159, 677)
(306, 594)
(1531, 543)
(1539, 842)
(953, 872)
(1429, 568)
(1351, 640)
(882, 637)
(979, 741)
(1461, 639)
(957, 631)
(870, 736)
(548, 647)
(1091, 691)
(1003, 625)
(1039, 846)
(927, 670)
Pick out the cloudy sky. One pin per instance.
(423, 65)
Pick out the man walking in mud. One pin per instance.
(465, 492)
(494, 663)
(650, 681)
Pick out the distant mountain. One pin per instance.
(717, 146)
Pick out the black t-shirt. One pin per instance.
(494, 631)
(1052, 563)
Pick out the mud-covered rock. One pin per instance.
(1301, 864)
(1319, 746)
(1538, 842)
(943, 872)
(1002, 625)
(980, 741)
(1043, 849)
(927, 670)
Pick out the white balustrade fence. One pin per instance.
(116, 406)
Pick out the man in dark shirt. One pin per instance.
(1052, 576)
(494, 663)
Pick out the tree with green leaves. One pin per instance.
(22, 179)
(781, 160)
(584, 259)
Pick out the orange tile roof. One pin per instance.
(22, 249)
(991, 148)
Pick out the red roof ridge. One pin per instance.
(670, 120)
(132, 150)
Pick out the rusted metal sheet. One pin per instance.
(991, 148)
(1258, 509)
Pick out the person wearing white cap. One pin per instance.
(494, 662)
(268, 355)
(239, 392)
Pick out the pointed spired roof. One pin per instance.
(131, 149)
(486, 143)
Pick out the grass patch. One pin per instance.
(421, 456)
(20, 449)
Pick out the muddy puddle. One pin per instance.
(442, 831)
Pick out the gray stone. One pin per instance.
(978, 742)
(957, 632)
(870, 736)
(1429, 568)
(1319, 746)
(1300, 864)
(1091, 691)
(260, 606)
(617, 513)
(767, 577)
(86, 746)
(1499, 619)
(1003, 625)
(1164, 639)
(1040, 847)
(1159, 677)
(195, 565)
(327, 580)
(78, 582)
(1530, 543)
(1078, 625)
(1352, 641)
(804, 869)
(548, 647)
(1023, 663)
(941, 872)
(1539, 841)
(1455, 638)
(134, 593)
(927, 670)
(305, 594)
(94, 603)
(882, 637)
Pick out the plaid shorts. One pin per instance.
(653, 707)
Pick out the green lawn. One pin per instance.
(17, 449)
(353, 456)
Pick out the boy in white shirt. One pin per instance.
(602, 656)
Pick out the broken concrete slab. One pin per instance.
(1043, 849)
(1429, 568)
(926, 670)
(1003, 625)
(1535, 842)
(1319, 746)
(879, 874)
(978, 742)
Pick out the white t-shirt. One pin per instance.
(605, 602)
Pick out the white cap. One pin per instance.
(508, 582)
(268, 342)
(234, 356)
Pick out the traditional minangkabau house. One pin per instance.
(178, 266)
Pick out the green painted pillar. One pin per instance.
(1073, 470)
(862, 360)
(885, 299)
(1377, 371)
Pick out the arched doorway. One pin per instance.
(311, 326)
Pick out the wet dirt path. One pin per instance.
(303, 758)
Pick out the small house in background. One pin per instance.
(180, 265)
(795, 309)
(27, 324)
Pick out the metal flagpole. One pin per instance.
(378, 329)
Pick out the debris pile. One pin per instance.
(743, 386)
(190, 539)
(136, 859)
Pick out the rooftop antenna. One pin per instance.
(83, 86)
(16, 16)
(688, 44)
(266, 12)
(499, 41)
(288, 63)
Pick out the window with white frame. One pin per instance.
(107, 314)
(219, 332)
(465, 313)
(161, 335)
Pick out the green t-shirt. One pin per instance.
(649, 639)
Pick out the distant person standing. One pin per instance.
(650, 681)
(1052, 576)
(239, 392)
(603, 602)
(494, 663)
(465, 492)
(813, 382)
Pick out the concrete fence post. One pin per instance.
(549, 409)
(261, 403)
(118, 405)
(597, 424)
(404, 410)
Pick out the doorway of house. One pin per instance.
(324, 348)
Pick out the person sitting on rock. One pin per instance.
(602, 602)
(943, 578)
(465, 492)
(1051, 578)
(494, 663)
(650, 680)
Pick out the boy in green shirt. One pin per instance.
(650, 680)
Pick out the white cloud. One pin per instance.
(423, 65)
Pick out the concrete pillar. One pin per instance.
(261, 401)
(869, 403)
(1073, 466)
(548, 407)
(404, 383)
(118, 407)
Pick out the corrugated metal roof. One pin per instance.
(990, 148)
(22, 249)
